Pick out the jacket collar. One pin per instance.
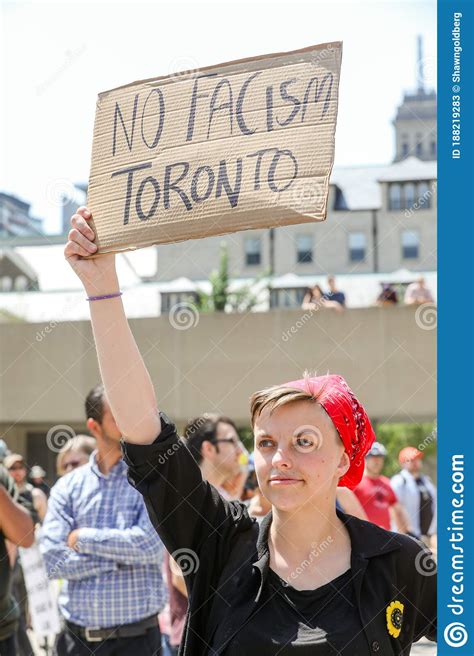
(367, 541)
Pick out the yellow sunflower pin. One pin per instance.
(395, 618)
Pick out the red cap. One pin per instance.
(348, 416)
(409, 453)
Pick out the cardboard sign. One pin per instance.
(43, 606)
(238, 146)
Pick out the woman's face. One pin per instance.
(299, 456)
(18, 472)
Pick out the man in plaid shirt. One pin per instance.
(97, 537)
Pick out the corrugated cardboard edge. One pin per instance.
(234, 62)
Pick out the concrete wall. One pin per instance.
(387, 358)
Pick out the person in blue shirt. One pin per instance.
(334, 294)
(97, 537)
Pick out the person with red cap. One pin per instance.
(376, 493)
(309, 579)
(416, 493)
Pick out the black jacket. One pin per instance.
(224, 555)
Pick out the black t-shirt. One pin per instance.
(339, 297)
(426, 506)
(324, 621)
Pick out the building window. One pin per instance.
(424, 195)
(419, 145)
(408, 195)
(287, 298)
(410, 244)
(395, 197)
(357, 246)
(304, 249)
(6, 284)
(433, 148)
(21, 283)
(253, 251)
(405, 145)
(175, 300)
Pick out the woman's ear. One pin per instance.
(344, 464)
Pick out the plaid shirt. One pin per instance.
(114, 577)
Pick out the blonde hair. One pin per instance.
(83, 443)
(276, 396)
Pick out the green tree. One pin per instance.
(220, 298)
(220, 281)
(396, 436)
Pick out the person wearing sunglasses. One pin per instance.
(75, 453)
(310, 579)
(215, 444)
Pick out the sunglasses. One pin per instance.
(237, 444)
(72, 464)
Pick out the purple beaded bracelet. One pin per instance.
(101, 298)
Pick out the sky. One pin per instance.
(56, 57)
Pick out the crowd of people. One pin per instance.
(118, 584)
(163, 544)
(416, 293)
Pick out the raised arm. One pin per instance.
(184, 509)
(128, 386)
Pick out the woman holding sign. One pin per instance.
(310, 579)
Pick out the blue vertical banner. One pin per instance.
(456, 327)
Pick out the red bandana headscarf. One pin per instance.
(348, 416)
